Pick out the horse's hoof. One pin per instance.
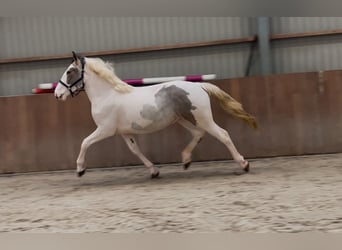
(155, 175)
(246, 168)
(81, 173)
(186, 165)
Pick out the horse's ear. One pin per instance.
(75, 57)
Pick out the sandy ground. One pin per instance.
(290, 194)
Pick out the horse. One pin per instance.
(119, 108)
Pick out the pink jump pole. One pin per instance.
(194, 78)
(49, 87)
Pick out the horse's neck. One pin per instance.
(97, 89)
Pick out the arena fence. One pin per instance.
(297, 113)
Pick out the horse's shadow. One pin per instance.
(140, 178)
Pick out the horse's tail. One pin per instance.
(229, 104)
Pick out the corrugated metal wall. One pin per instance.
(29, 36)
(39, 36)
(306, 54)
(304, 24)
(56, 35)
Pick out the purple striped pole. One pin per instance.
(47, 85)
(153, 80)
(192, 78)
(41, 91)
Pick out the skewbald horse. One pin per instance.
(118, 108)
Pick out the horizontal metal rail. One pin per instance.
(133, 50)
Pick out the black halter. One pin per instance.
(76, 87)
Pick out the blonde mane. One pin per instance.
(105, 70)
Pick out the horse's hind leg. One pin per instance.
(133, 146)
(223, 136)
(197, 134)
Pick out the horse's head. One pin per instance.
(71, 82)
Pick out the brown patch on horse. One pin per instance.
(73, 75)
(171, 101)
(178, 100)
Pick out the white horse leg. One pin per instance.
(197, 134)
(96, 136)
(223, 136)
(133, 146)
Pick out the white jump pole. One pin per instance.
(146, 81)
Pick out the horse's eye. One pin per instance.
(68, 72)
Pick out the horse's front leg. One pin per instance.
(98, 135)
